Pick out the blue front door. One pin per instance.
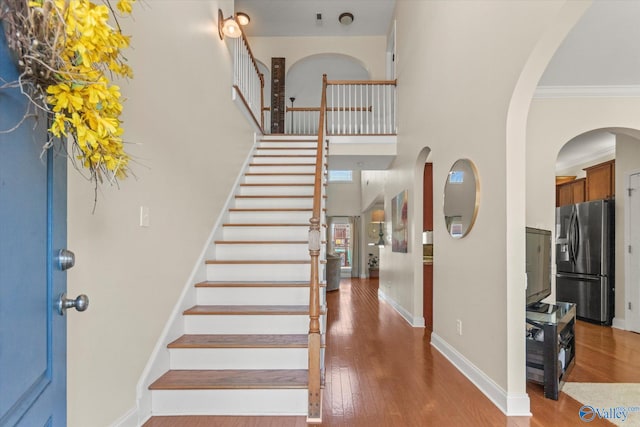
(32, 232)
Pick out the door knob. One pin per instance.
(81, 303)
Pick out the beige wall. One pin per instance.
(464, 86)
(188, 142)
(343, 198)
(552, 123)
(369, 50)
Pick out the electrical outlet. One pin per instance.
(459, 326)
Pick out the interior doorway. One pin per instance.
(344, 241)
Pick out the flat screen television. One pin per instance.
(538, 267)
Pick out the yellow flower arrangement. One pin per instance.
(67, 50)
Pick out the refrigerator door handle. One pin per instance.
(576, 237)
(570, 230)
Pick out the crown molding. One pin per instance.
(612, 91)
(586, 159)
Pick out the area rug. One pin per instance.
(619, 403)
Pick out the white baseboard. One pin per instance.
(619, 324)
(129, 419)
(415, 321)
(512, 405)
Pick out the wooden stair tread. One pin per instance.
(260, 224)
(231, 379)
(284, 155)
(288, 148)
(241, 341)
(248, 284)
(255, 261)
(270, 210)
(279, 174)
(286, 184)
(273, 209)
(290, 140)
(248, 310)
(282, 164)
(273, 196)
(261, 242)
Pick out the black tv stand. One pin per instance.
(551, 346)
(539, 307)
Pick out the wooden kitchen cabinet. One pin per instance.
(601, 180)
(571, 192)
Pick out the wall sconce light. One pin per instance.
(229, 27)
(242, 19)
(378, 216)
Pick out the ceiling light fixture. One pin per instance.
(228, 27)
(378, 216)
(346, 18)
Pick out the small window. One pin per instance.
(340, 176)
(456, 177)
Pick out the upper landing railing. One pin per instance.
(353, 107)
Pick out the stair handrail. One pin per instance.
(315, 396)
(248, 81)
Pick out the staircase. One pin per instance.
(244, 348)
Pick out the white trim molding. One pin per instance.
(415, 321)
(619, 324)
(129, 419)
(512, 405)
(617, 91)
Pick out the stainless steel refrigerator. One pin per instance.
(585, 259)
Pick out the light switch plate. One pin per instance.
(144, 216)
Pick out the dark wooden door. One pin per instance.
(427, 292)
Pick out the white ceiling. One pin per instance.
(603, 49)
(295, 18)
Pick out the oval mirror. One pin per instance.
(461, 198)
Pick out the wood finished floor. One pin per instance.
(382, 372)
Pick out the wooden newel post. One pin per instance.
(315, 397)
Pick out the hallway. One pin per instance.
(382, 372)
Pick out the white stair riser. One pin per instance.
(262, 252)
(277, 217)
(273, 203)
(253, 296)
(280, 190)
(311, 151)
(283, 159)
(239, 358)
(229, 402)
(283, 169)
(258, 272)
(247, 324)
(279, 179)
(266, 233)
